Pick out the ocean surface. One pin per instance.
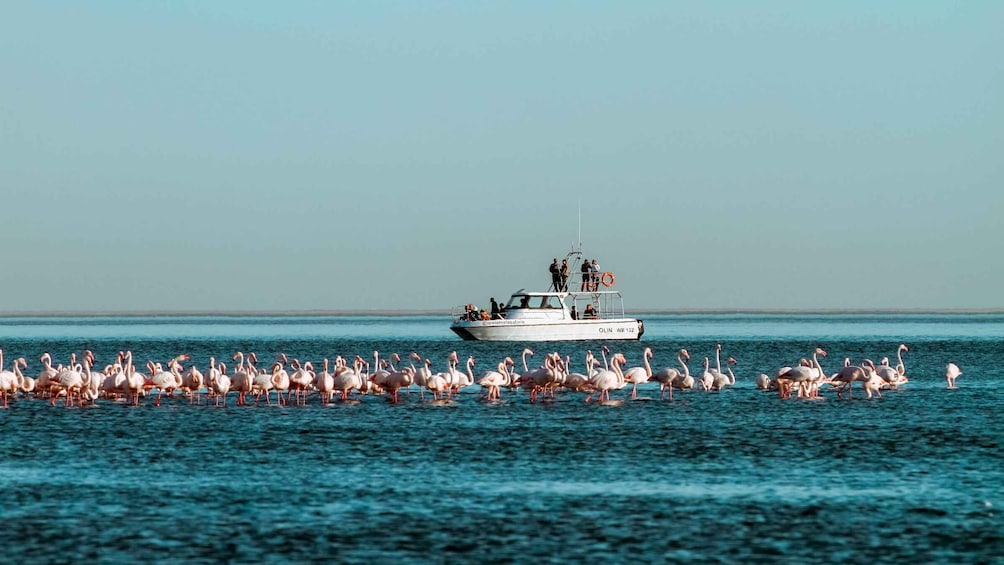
(736, 476)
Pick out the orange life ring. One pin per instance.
(608, 279)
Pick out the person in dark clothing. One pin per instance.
(585, 276)
(564, 275)
(555, 276)
(495, 309)
(575, 313)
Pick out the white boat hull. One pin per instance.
(546, 330)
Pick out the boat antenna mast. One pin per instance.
(576, 253)
(579, 247)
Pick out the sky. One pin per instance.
(243, 155)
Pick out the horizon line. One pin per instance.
(446, 313)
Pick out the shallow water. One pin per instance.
(736, 476)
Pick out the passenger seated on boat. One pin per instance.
(471, 313)
(575, 313)
(525, 302)
(589, 313)
(484, 315)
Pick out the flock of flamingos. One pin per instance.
(292, 381)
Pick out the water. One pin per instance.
(737, 476)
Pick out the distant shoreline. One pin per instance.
(445, 312)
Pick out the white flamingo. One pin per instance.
(684, 381)
(69, 381)
(302, 380)
(241, 381)
(9, 381)
(639, 375)
(191, 383)
(422, 373)
(326, 384)
(580, 382)
(952, 372)
(262, 384)
(167, 381)
(873, 382)
(707, 377)
(438, 383)
(347, 379)
(134, 382)
(220, 383)
(609, 379)
(493, 381)
(900, 367)
(721, 381)
(763, 382)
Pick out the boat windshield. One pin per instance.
(526, 301)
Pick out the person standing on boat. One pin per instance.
(555, 276)
(594, 269)
(495, 309)
(564, 275)
(585, 276)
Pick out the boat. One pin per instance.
(594, 312)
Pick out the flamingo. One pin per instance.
(220, 383)
(515, 379)
(763, 381)
(397, 380)
(166, 381)
(717, 370)
(952, 372)
(707, 377)
(900, 367)
(873, 382)
(9, 381)
(438, 383)
(27, 383)
(114, 381)
(464, 379)
(354, 378)
(684, 381)
(192, 382)
(578, 381)
(721, 381)
(211, 373)
(422, 373)
(92, 379)
(847, 375)
(301, 380)
(639, 375)
(538, 379)
(134, 382)
(241, 381)
(262, 384)
(493, 381)
(805, 374)
(327, 383)
(69, 381)
(666, 376)
(48, 373)
(609, 379)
